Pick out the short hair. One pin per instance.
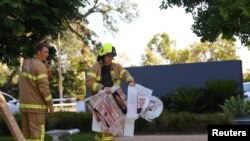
(40, 45)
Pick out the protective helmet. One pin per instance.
(106, 49)
(154, 109)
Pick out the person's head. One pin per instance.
(42, 50)
(106, 53)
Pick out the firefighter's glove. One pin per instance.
(108, 90)
(131, 83)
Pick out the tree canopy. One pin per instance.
(161, 49)
(25, 22)
(212, 18)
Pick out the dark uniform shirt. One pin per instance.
(107, 82)
(106, 76)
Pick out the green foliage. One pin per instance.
(179, 56)
(188, 99)
(159, 45)
(161, 49)
(73, 84)
(67, 120)
(180, 122)
(246, 77)
(203, 100)
(4, 130)
(167, 101)
(214, 17)
(149, 58)
(167, 122)
(236, 107)
(3, 74)
(57, 120)
(222, 49)
(116, 11)
(219, 90)
(53, 82)
(21, 30)
(219, 50)
(10, 76)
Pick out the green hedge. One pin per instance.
(57, 120)
(4, 130)
(67, 120)
(168, 122)
(202, 100)
(180, 122)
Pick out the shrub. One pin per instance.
(218, 91)
(167, 122)
(180, 122)
(4, 130)
(57, 120)
(236, 107)
(166, 100)
(67, 120)
(188, 99)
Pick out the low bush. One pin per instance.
(68, 120)
(188, 99)
(180, 122)
(220, 90)
(167, 122)
(236, 107)
(57, 120)
(4, 130)
(167, 101)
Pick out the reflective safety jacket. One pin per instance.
(118, 74)
(34, 89)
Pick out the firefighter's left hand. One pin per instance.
(108, 90)
(132, 83)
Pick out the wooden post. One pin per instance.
(10, 120)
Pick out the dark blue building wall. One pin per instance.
(164, 79)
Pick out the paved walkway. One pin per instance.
(200, 137)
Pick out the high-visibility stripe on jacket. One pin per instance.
(34, 89)
(110, 138)
(118, 74)
(104, 137)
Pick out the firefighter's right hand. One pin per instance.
(108, 90)
(51, 109)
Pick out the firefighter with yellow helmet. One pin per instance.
(103, 75)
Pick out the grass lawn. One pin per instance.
(76, 137)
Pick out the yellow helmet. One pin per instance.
(106, 49)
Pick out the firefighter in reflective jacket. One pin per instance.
(35, 97)
(103, 75)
